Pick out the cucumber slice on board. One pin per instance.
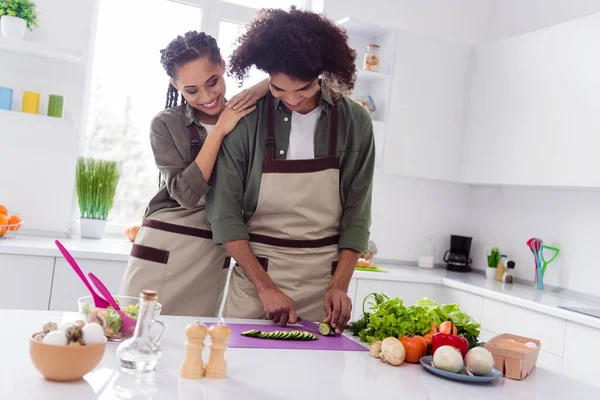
(251, 333)
(325, 329)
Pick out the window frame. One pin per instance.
(213, 12)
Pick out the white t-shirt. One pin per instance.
(302, 135)
(208, 128)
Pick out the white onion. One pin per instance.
(448, 359)
(479, 361)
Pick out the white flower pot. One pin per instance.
(490, 273)
(13, 27)
(92, 228)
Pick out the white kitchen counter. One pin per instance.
(516, 294)
(254, 374)
(106, 249)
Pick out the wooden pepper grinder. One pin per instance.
(216, 367)
(193, 367)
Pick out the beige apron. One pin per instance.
(295, 230)
(174, 254)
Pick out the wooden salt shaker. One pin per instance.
(193, 367)
(216, 367)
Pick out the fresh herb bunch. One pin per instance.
(494, 258)
(363, 322)
(96, 186)
(24, 9)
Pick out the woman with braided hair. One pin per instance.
(173, 252)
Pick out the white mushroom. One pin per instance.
(375, 349)
(392, 351)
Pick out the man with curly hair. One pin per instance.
(291, 196)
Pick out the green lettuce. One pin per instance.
(390, 317)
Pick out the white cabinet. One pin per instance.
(408, 292)
(533, 108)
(500, 317)
(26, 282)
(352, 291)
(581, 351)
(67, 287)
(425, 125)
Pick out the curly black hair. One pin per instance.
(189, 47)
(300, 44)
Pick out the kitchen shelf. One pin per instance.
(361, 28)
(33, 118)
(37, 50)
(370, 76)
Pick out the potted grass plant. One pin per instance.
(16, 16)
(493, 258)
(96, 186)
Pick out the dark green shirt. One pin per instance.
(183, 184)
(238, 172)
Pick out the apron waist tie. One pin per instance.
(180, 229)
(293, 243)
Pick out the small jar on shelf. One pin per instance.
(371, 58)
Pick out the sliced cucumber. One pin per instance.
(280, 335)
(325, 329)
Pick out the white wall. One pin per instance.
(463, 21)
(406, 210)
(513, 17)
(38, 164)
(568, 219)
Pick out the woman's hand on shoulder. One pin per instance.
(249, 97)
(229, 119)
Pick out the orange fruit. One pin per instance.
(3, 210)
(13, 220)
(3, 224)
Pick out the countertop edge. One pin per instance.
(530, 305)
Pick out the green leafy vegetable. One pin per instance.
(467, 326)
(363, 322)
(390, 317)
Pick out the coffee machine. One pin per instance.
(457, 258)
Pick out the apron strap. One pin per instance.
(194, 140)
(270, 140)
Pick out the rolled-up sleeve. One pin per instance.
(224, 201)
(356, 215)
(185, 182)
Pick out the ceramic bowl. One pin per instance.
(64, 363)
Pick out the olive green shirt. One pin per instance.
(182, 183)
(237, 175)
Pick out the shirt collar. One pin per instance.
(189, 114)
(325, 101)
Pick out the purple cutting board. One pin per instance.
(324, 343)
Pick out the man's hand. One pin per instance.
(278, 306)
(338, 308)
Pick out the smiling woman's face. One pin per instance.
(202, 85)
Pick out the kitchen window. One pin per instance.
(128, 86)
